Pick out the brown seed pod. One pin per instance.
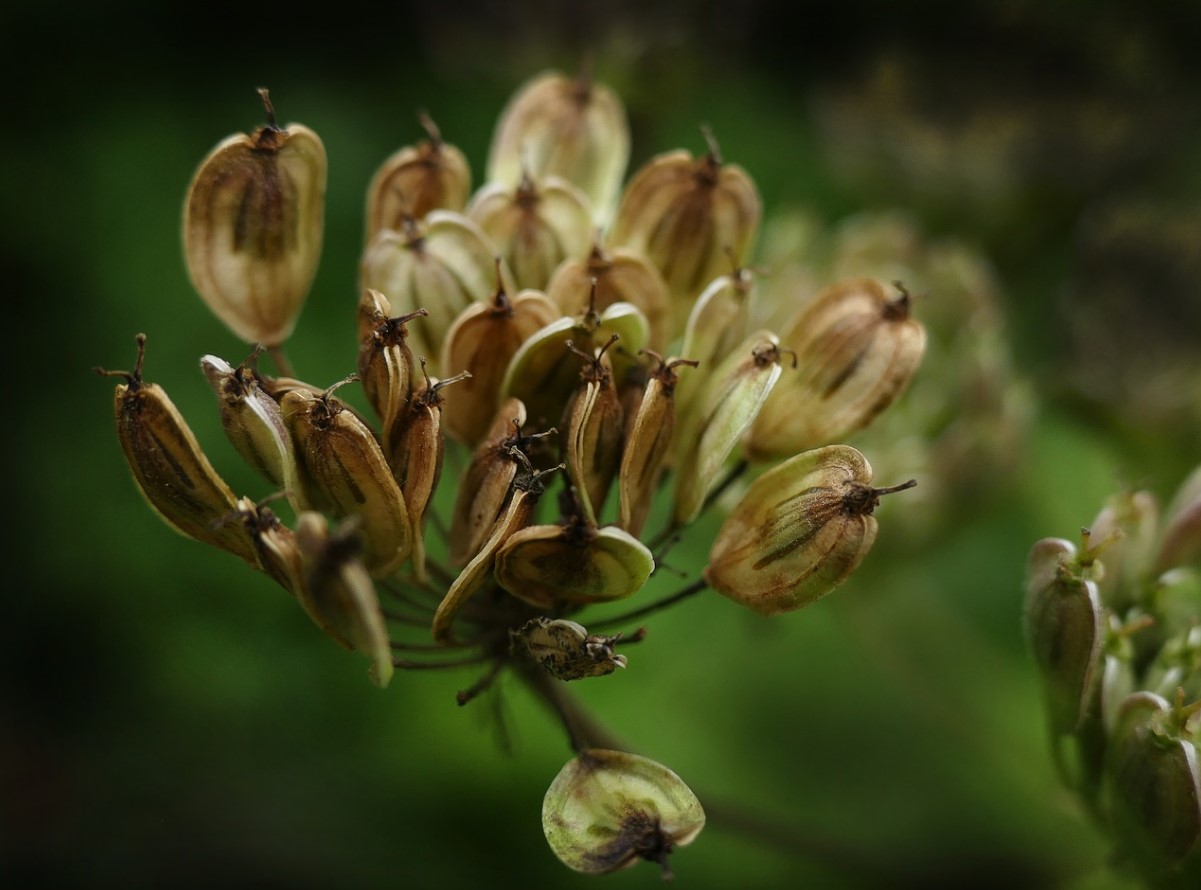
(682, 214)
(565, 649)
(857, 349)
(275, 544)
(716, 326)
(482, 341)
(535, 227)
(252, 227)
(342, 469)
(386, 362)
(801, 529)
(594, 424)
(574, 128)
(431, 175)
(168, 465)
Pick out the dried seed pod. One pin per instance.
(535, 227)
(338, 593)
(565, 649)
(342, 469)
(544, 372)
(483, 340)
(1155, 782)
(1065, 630)
(682, 213)
(486, 483)
(605, 810)
(251, 419)
(1181, 542)
(274, 543)
(527, 489)
(857, 349)
(648, 445)
(594, 423)
(443, 264)
(801, 530)
(619, 276)
(574, 563)
(416, 460)
(252, 227)
(385, 362)
(574, 128)
(716, 326)
(431, 175)
(723, 410)
(168, 465)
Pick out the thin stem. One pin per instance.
(695, 587)
(282, 365)
(481, 685)
(401, 618)
(583, 730)
(409, 664)
(731, 477)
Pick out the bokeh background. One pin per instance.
(168, 719)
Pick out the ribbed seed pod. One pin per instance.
(482, 341)
(605, 810)
(342, 469)
(275, 544)
(338, 593)
(251, 419)
(721, 413)
(619, 276)
(443, 264)
(545, 372)
(801, 530)
(593, 425)
(578, 563)
(252, 227)
(1128, 525)
(682, 214)
(857, 349)
(565, 649)
(648, 445)
(431, 175)
(716, 326)
(416, 460)
(1181, 542)
(527, 489)
(1065, 629)
(486, 483)
(385, 362)
(169, 467)
(574, 128)
(535, 226)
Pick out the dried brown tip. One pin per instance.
(134, 379)
(268, 107)
(431, 129)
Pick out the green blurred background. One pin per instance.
(168, 719)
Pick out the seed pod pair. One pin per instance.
(385, 361)
(431, 175)
(1129, 526)
(279, 555)
(682, 214)
(253, 225)
(482, 341)
(340, 468)
(168, 465)
(717, 325)
(535, 226)
(857, 349)
(801, 530)
(721, 413)
(605, 810)
(593, 421)
(574, 128)
(565, 649)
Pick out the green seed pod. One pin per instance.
(342, 469)
(1181, 543)
(169, 467)
(1178, 665)
(857, 349)
(1129, 521)
(534, 227)
(620, 276)
(1064, 628)
(253, 225)
(251, 419)
(482, 341)
(648, 445)
(338, 593)
(574, 128)
(801, 530)
(574, 563)
(722, 411)
(1176, 601)
(716, 326)
(431, 175)
(443, 264)
(605, 810)
(1155, 782)
(682, 214)
(593, 421)
(566, 650)
(385, 361)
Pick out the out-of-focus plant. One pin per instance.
(600, 357)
